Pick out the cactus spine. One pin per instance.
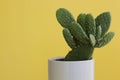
(85, 34)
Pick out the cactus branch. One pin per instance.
(104, 20)
(77, 31)
(69, 38)
(90, 24)
(105, 40)
(81, 20)
(64, 17)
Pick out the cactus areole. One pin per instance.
(84, 34)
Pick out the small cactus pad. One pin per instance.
(69, 38)
(106, 39)
(64, 17)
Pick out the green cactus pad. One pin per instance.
(69, 38)
(77, 31)
(81, 21)
(92, 40)
(98, 32)
(64, 17)
(104, 20)
(90, 24)
(106, 39)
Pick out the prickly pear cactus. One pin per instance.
(85, 34)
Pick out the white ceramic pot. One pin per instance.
(70, 70)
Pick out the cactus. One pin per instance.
(85, 34)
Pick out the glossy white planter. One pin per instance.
(70, 70)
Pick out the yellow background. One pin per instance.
(30, 34)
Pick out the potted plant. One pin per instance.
(82, 36)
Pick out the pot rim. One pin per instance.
(54, 59)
